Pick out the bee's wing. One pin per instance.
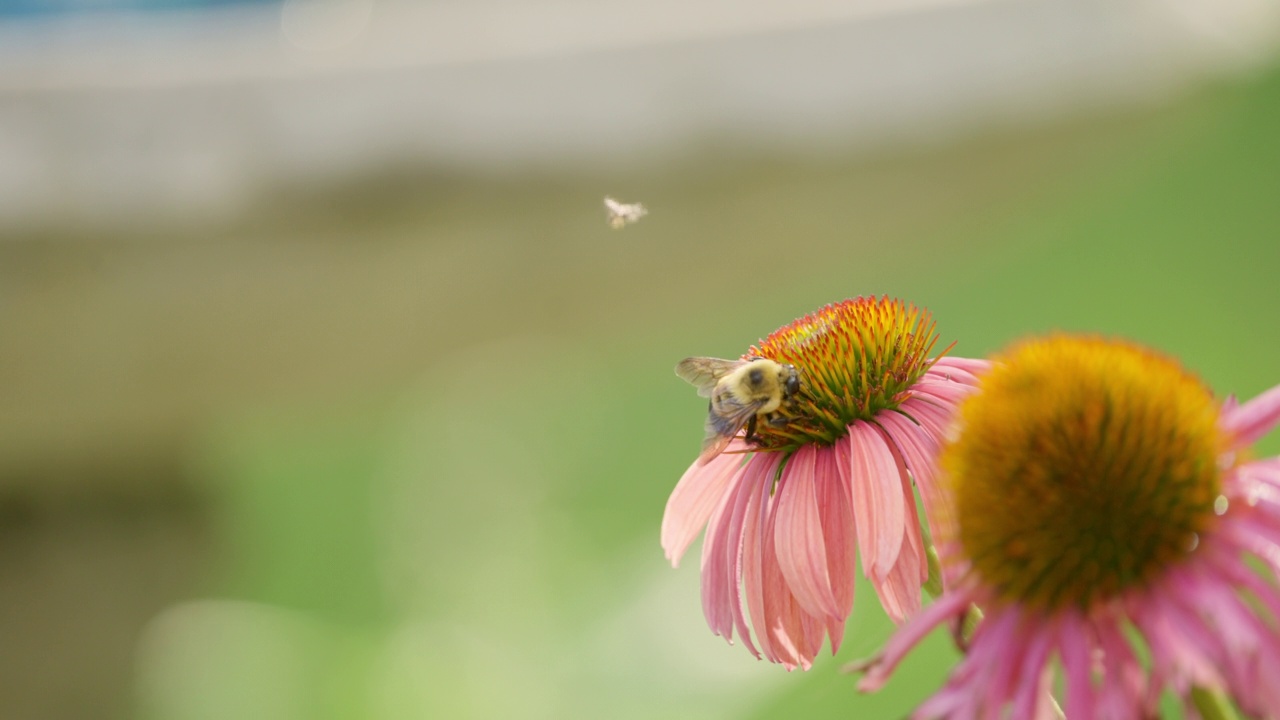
(713, 446)
(724, 426)
(704, 372)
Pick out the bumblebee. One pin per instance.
(742, 392)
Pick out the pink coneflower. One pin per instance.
(788, 508)
(1102, 511)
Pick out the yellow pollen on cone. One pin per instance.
(856, 358)
(1082, 467)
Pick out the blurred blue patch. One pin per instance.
(36, 8)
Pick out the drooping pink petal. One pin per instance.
(914, 543)
(721, 560)
(1250, 646)
(785, 619)
(899, 590)
(840, 534)
(835, 631)
(948, 393)
(743, 567)
(1120, 694)
(753, 563)
(1076, 652)
(694, 499)
(953, 701)
(1253, 419)
(1230, 404)
(757, 474)
(1030, 692)
(814, 632)
(909, 635)
(878, 505)
(1266, 594)
(1000, 656)
(996, 652)
(955, 373)
(801, 547)
(919, 450)
(934, 418)
(716, 573)
(1180, 644)
(974, 366)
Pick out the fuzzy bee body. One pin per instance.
(742, 392)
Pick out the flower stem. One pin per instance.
(1212, 705)
(933, 583)
(1057, 709)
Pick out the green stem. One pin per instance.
(933, 583)
(1057, 709)
(1212, 705)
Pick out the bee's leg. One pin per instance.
(777, 420)
(751, 428)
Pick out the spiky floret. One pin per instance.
(856, 358)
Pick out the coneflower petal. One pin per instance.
(838, 529)
(801, 547)
(899, 590)
(785, 620)
(913, 549)
(720, 561)
(877, 500)
(909, 635)
(753, 560)
(918, 449)
(1077, 666)
(693, 500)
(1253, 419)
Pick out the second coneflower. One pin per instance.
(791, 501)
(1103, 510)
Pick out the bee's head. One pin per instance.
(791, 380)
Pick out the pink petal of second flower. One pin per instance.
(1075, 648)
(877, 499)
(801, 548)
(908, 636)
(1253, 419)
(696, 495)
(1029, 693)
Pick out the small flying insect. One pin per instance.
(741, 392)
(621, 214)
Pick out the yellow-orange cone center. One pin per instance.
(855, 358)
(1082, 468)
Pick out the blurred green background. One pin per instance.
(399, 446)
